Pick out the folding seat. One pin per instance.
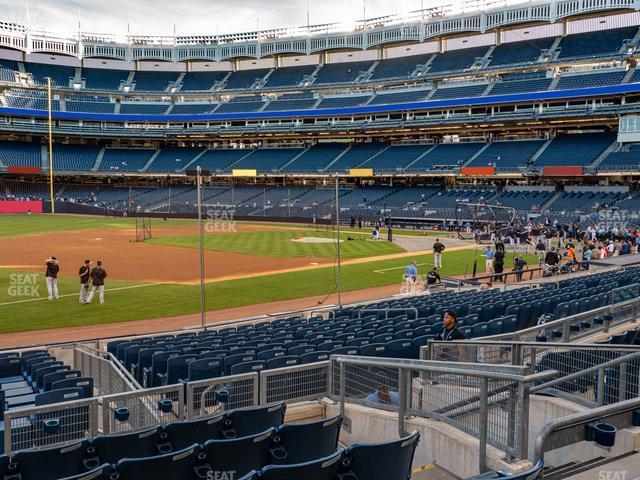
(9, 355)
(418, 343)
(120, 348)
(248, 367)
(10, 370)
(131, 355)
(385, 330)
(402, 326)
(373, 350)
(281, 362)
(59, 396)
(178, 465)
(512, 310)
(314, 357)
(247, 350)
(399, 349)
(232, 360)
(498, 309)
(112, 347)
(31, 362)
(51, 378)
(36, 368)
(494, 327)
(479, 330)
(50, 463)
(330, 346)
(466, 332)
(357, 342)
(177, 369)
(143, 361)
(562, 310)
(421, 331)
(403, 335)
(153, 376)
(103, 472)
(304, 442)
(85, 383)
(111, 448)
(271, 346)
(179, 434)
(39, 375)
(345, 337)
(369, 333)
(346, 351)
(204, 368)
(509, 324)
(253, 420)
(383, 338)
(486, 312)
(214, 355)
(382, 461)
(301, 350)
(271, 353)
(240, 455)
(327, 468)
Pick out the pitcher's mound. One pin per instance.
(314, 240)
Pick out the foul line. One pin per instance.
(77, 294)
(399, 268)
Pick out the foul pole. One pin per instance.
(338, 241)
(53, 208)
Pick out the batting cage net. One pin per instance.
(477, 221)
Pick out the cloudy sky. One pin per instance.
(193, 16)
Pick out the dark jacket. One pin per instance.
(98, 274)
(52, 270)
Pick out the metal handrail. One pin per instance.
(119, 368)
(579, 419)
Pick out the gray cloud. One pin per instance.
(191, 16)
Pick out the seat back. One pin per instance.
(198, 431)
(10, 367)
(240, 455)
(280, 362)
(250, 421)
(51, 463)
(204, 368)
(170, 466)
(50, 378)
(103, 472)
(383, 461)
(304, 442)
(248, 367)
(112, 448)
(326, 468)
(85, 383)
(59, 396)
(178, 368)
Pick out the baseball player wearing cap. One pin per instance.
(51, 277)
(85, 275)
(98, 274)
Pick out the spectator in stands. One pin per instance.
(51, 277)
(486, 286)
(450, 331)
(438, 248)
(383, 395)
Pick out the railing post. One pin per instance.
(403, 393)
(483, 431)
(600, 387)
(622, 382)
(566, 332)
(343, 398)
(522, 406)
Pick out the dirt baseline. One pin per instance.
(140, 262)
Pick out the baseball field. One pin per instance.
(246, 264)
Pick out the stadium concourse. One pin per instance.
(407, 247)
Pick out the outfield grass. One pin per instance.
(280, 244)
(168, 300)
(20, 225)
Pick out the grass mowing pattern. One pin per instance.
(18, 225)
(279, 244)
(169, 300)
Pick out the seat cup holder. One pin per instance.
(51, 426)
(541, 338)
(165, 405)
(121, 414)
(279, 455)
(604, 434)
(222, 396)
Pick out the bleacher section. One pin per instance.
(173, 159)
(283, 104)
(507, 156)
(343, 101)
(139, 108)
(59, 74)
(520, 86)
(316, 158)
(400, 97)
(575, 150)
(191, 108)
(124, 160)
(356, 155)
(446, 156)
(590, 80)
(583, 201)
(267, 159)
(398, 67)
(527, 51)
(523, 200)
(20, 154)
(87, 103)
(474, 90)
(341, 72)
(79, 158)
(218, 160)
(241, 104)
(154, 81)
(395, 158)
(456, 59)
(103, 79)
(201, 81)
(628, 159)
(289, 76)
(595, 44)
(244, 79)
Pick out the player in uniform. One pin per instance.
(438, 248)
(98, 274)
(51, 277)
(85, 274)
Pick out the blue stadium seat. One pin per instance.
(198, 431)
(85, 383)
(250, 421)
(111, 448)
(300, 443)
(240, 455)
(399, 349)
(204, 368)
(314, 357)
(234, 359)
(280, 362)
(384, 460)
(103, 472)
(177, 369)
(170, 466)
(50, 463)
(248, 367)
(373, 350)
(327, 468)
(59, 396)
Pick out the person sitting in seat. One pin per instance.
(382, 395)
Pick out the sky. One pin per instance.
(158, 17)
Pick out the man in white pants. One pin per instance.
(438, 248)
(51, 278)
(488, 262)
(98, 274)
(85, 275)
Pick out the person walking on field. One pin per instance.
(51, 277)
(438, 248)
(488, 260)
(85, 275)
(410, 278)
(98, 274)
